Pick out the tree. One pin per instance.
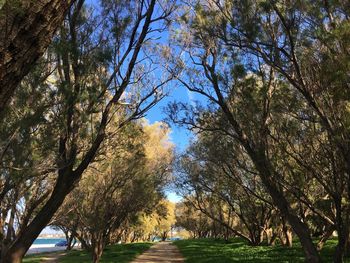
(231, 39)
(216, 175)
(166, 219)
(148, 225)
(306, 44)
(93, 71)
(127, 179)
(248, 117)
(27, 30)
(27, 157)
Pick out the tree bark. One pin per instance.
(267, 175)
(327, 234)
(299, 227)
(27, 27)
(70, 243)
(20, 246)
(97, 248)
(342, 230)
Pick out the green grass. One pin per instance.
(121, 253)
(33, 258)
(37, 258)
(219, 251)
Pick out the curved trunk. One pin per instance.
(20, 246)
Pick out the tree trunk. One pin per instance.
(299, 227)
(19, 247)
(287, 233)
(268, 235)
(70, 243)
(27, 28)
(328, 233)
(342, 231)
(83, 244)
(97, 249)
(272, 239)
(268, 175)
(164, 235)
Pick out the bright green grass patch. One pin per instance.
(121, 253)
(219, 251)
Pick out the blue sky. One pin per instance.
(180, 136)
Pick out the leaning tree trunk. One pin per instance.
(27, 27)
(299, 227)
(17, 250)
(268, 174)
(326, 235)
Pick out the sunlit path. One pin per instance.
(161, 252)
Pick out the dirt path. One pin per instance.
(164, 252)
(52, 258)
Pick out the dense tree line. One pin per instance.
(274, 130)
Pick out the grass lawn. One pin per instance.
(36, 258)
(218, 251)
(122, 253)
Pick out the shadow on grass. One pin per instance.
(219, 251)
(37, 258)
